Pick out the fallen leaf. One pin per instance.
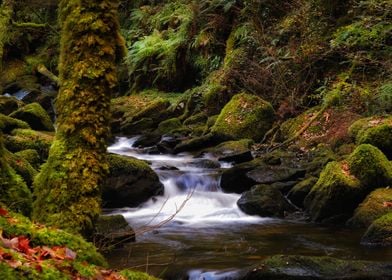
(69, 254)
(3, 212)
(387, 204)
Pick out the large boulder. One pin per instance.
(265, 201)
(35, 116)
(130, 182)
(376, 204)
(294, 267)
(376, 130)
(380, 232)
(21, 167)
(245, 116)
(336, 194)
(370, 166)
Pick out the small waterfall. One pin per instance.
(192, 193)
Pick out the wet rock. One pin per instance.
(243, 176)
(282, 267)
(204, 163)
(265, 201)
(373, 207)
(147, 140)
(298, 193)
(237, 157)
(112, 232)
(167, 144)
(35, 116)
(130, 182)
(170, 125)
(380, 232)
(200, 142)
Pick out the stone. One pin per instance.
(130, 182)
(265, 201)
(35, 116)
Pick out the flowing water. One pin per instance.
(195, 231)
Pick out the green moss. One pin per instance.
(124, 165)
(245, 116)
(379, 232)
(35, 116)
(31, 156)
(228, 147)
(7, 124)
(87, 257)
(23, 139)
(136, 275)
(379, 136)
(196, 119)
(169, 125)
(335, 193)
(372, 208)
(13, 191)
(21, 167)
(370, 166)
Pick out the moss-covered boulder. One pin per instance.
(23, 139)
(31, 156)
(112, 231)
(7, 124)
(336, 194)
(380, 232)
(373, 207)
(13, 190)
(376, 131)
(21, 167)
(245, 116)
(265, 201)
(370, 166)
(35, 116)
(130, 182)
(280, 267)
(169, 125)
(135, 122)
(298, 193)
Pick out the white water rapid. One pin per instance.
(192, 195)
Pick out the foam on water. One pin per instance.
(192, 195)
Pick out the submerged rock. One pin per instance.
(35, 116)
(130, 182)
(282, 267)
(265, 201)
(245, 116)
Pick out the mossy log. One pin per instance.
(67, 190)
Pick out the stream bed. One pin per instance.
(195, 231)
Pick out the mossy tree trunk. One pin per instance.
(6, 11)
(67, 190)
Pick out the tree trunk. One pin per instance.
(6, 11)
(67, 189)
